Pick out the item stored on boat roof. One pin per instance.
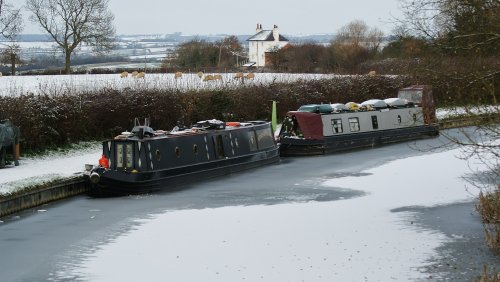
(211, 124)
(316, 108)
(396, 102)
(352, 106)
(375, 103)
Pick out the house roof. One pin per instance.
(266, 35)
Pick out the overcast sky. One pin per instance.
(294, 17)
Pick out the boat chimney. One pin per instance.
(421, 95)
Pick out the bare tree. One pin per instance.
(228, 47)
(466, 39)
(70, 23)
(10, 55)
(202, 54)
(11, 22)
(358, 34)
(471, 26)
(356, 43)
(465, 35)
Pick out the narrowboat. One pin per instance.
(146, 160)
(325, 128)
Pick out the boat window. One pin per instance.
(337, 125)
(296, 131)
(291, 127)
(124, 155)
(265, 138)
(119, 155)
(374, 122)
(219, 147)
(178, 152)
(354, 124)
(195, 149)
(128, 155)
(399, 119)
(252, 141)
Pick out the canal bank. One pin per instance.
(42, 194)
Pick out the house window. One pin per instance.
(337, 125)
(354, 124)
(374, 122)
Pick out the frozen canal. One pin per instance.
(386, 214)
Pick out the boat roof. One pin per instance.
(190, 131)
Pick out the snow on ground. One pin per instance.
(17, 85)
(356, 239)
(38, 170)
(465, 111)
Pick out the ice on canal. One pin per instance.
(353, 239)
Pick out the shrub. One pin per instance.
(489, 209)
(486, 276)
(60, 117)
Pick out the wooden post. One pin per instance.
(2, 156)
(17, 154)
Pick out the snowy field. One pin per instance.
(53, 84)
(356, 239)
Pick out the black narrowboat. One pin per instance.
(326, 128)
(145, 160)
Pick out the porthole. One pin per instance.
(178, 152)
(195, 149)
(158, 155)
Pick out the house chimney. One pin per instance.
(276, 33)
(259, 28)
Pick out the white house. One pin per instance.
(264, 41)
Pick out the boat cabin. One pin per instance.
(330, 127)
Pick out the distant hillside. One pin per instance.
(179, 37)
(39, 52)
(30, 38)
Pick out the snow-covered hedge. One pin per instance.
(56, 118)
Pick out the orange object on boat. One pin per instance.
(232, 123)
(104, 162)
